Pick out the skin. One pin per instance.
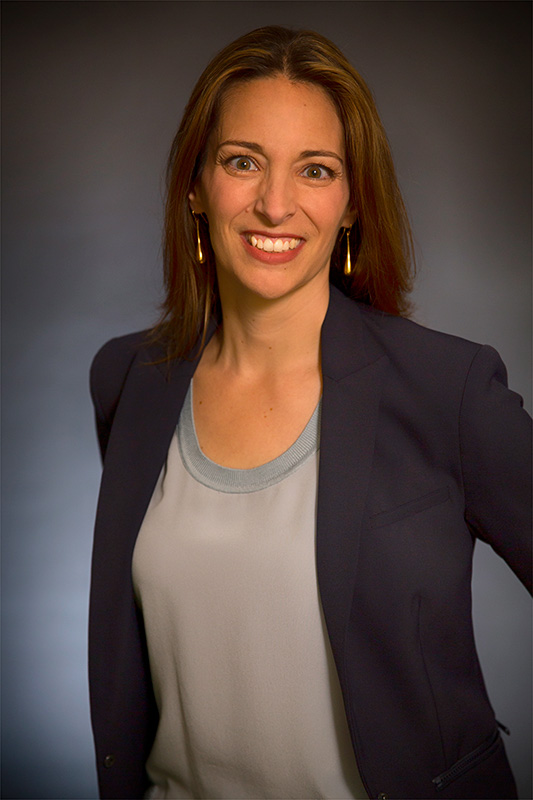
(266, 355)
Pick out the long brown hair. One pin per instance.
(380, 242)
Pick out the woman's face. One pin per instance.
(274, 188)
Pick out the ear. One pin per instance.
(195, 201)
(349, 217)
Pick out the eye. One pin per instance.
(242, 164)
(317, 172)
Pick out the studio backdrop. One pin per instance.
(92, 95)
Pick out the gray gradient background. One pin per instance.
(92, 94)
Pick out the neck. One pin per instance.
(271, 336)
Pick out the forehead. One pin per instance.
(282, 110)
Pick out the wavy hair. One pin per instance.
(381, 244)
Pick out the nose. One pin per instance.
(276, 199)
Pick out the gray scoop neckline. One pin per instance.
(242, 481)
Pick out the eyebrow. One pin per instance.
(256, 148)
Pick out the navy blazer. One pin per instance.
(422, 449)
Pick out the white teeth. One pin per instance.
(274, 245)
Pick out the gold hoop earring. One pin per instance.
(348, 261)
(199, 252)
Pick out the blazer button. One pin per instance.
(383, 796)
(109, 760)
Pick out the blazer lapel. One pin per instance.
(145, 420)
(352, 388)
(144, 423)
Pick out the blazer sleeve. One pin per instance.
(495, 439)
(109, 370)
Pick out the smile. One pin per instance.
(272, 245)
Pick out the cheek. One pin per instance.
(327, 208)
(225, 202)
(333, 216)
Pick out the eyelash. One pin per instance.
(226, 162)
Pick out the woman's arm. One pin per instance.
(495, 439)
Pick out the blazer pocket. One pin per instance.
(411, 507)
(468, 762)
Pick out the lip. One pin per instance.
(271, 235)
(271, 258)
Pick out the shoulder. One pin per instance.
(408, 340)
(429, 351)
(426, 359)
(121, 349)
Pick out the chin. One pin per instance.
(270, 282)
(275, 285)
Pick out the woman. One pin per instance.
(293, 481)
